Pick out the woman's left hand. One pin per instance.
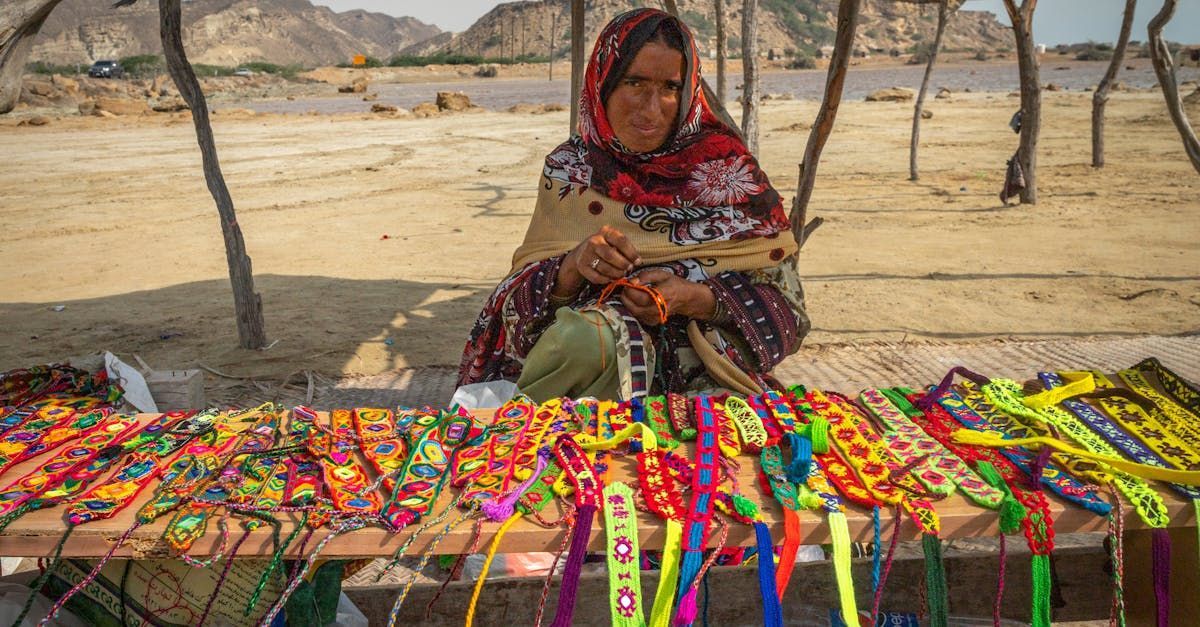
(683, 297)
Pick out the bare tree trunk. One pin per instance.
(943, 15)
(1164, 67)
(247, 304)
(1031, 94)
(750, 87)
(576, 61)
(847, 23)
(1100, 97)
(721, 93)
(20, 21)
(553, 23)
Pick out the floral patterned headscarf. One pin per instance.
(702, 172)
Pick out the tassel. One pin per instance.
(1160, 547)
(802, 451)
(499, 510)
(772, 610)
(576, 553)
(487, 565)
(686, 615)
(1040, 565)
(688, 434)
(935, 580)
(745, 506)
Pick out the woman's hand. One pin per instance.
(602, 258)
(683, 297)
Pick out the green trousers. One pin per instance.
(576, 356)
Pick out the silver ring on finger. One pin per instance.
(595, 262)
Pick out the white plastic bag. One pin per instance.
(487, 394)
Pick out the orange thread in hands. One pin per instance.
(659, 300)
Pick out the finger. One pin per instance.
(645, 315)
(641, 299)
(599, 271)
(613, 256)
(618, 240)
(655, 275)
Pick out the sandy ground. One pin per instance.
(375, 240)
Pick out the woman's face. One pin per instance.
(643, 107)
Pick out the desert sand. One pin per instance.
(376, 239)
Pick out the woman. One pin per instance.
(657, 194)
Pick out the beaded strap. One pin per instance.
(197, 463)
(1037, 522)
(749, 425)
(874, 464)
(39, 436)
(903, 430)
(108, 432)
(621, 539)
(728, 440)
(137, 470)
(1181, 421)
(382, 441)
(477, 463)
(1008, 415)
(679, 411)
(347, 479)
(1007, 394)
(1116, 435)
(656, 417)
(1051, 476)
(1176, 386)
(781, 409)
(765, 417)
(425, 473)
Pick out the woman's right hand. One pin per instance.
(602, 258)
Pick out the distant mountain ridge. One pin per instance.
(230, 32)
(524, 28)
(226, 32)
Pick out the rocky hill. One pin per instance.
(524, 28)
(226, 32)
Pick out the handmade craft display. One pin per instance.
(1096, 442)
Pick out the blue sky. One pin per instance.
(1055, 21)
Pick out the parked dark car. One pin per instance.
(106, 69)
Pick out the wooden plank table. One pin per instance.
(37, 533)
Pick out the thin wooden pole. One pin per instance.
(553, 23)
(576, 60)
(1164, 67)
(1031, 94)
(1100, 96)
(721, 52)
(750, 87)
(847, 23)
(919, 107)
(715, 104)
(247, 304)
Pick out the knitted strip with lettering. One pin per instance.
(903, 429)
(1016, 421)
(1176, 386)
(1037, 524)
(1053, 477)
(424, 474)
(1114, 433)
(1007, 394)
(1144, 421)
(874, 463)
(109, 432)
